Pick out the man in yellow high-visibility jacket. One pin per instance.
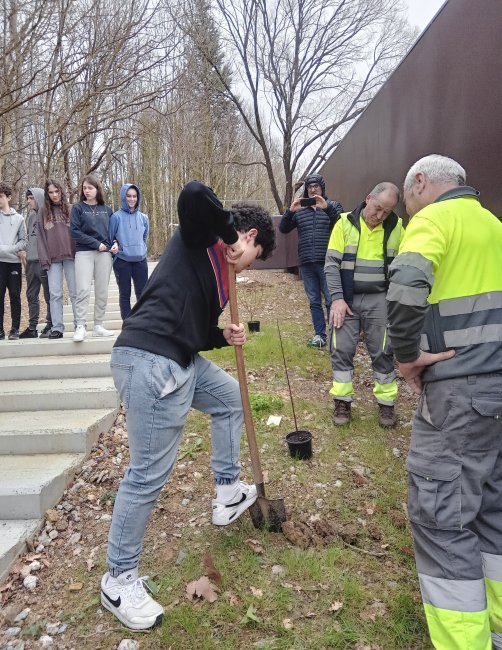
(362, 245)
(445, 314)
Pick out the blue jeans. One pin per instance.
(55, 277)
(315, 285)
(157, 394)
(125, 272)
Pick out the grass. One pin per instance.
(286, 597)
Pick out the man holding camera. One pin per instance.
(314, 216)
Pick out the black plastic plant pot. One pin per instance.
(300, 444)
(254, 325)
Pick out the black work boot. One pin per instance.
(14, 335)
(386, 416)
(342, 413)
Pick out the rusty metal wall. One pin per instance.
(445, 97)
(285, 255)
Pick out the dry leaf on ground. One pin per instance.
(212, 572)
(201, 588)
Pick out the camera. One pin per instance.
(305, 202)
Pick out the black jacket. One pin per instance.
(314, 226)
(177, 314)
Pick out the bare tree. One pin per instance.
(302, 71)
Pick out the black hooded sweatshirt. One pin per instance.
(177, 313)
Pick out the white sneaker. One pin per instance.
(126, 598)
(99, 330)
(80, 333)
(226, 513)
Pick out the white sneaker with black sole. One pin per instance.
(226, 513)
(126, 598)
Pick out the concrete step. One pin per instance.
(13, 536)
(113, 313)
(114, 325)
(55, 367)
(47, 347)
(33, 483)
(53, 432)
(58, 394)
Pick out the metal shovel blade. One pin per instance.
(269, 514)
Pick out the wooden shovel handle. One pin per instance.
(241, 374)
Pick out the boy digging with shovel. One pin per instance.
(160, 375)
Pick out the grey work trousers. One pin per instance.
(369, 316)
(36, 277)
(455, 508)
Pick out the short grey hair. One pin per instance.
(438, 169)
(382, 187)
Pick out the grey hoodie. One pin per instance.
(32, 224)
(12, 236)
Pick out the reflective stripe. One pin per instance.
(391, 252)
(451, 630)
(348, 265)
(369, 277)
(384, 379)
(413, 296)
(470, 304)
(418, 261)
(350, 249)
(456, 595)
(494, 602)
(424, 343)
(343, 376)
(473, 336)
(492, 565)
(362, 262)
(342, 389)
(385, 392)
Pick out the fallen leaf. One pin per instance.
(287, 624)
(258, 593)
(234, 600)
(250, 616)
(201, 588)
(91, 563)
(255, 546)
(212, 572)
(76, 586)
(337, 605)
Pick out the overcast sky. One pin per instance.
(421, 12)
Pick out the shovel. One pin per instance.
(265, 513)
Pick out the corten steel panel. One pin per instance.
(285, 254)
(445, 97)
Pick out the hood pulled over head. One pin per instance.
(314, 178)
(38, 195)
(123, 200)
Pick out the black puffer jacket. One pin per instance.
(314, 225)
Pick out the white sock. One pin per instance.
(228, 493)
(127, 577)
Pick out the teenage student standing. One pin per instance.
(160, 375)
(129, 233)
(56, 251)
(90, 220)
(35, 276)
(12, 241)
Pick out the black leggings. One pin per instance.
(11, 279)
